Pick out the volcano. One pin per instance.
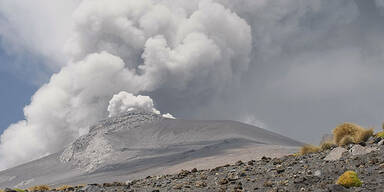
(140, 143)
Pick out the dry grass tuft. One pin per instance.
(364, 135)
(309, 149)
(346, 140)
(39, 188)
(380, 134)
(64, 188)
(350, 133)
(327, 145)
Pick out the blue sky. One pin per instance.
(16, 88)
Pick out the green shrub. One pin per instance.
(19, 190)
(349, 179)
(380, 134)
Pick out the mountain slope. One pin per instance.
(139, 143)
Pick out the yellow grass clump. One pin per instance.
(350, 133)
(19, 190)
(64, 187)
(381, 133)
(349, 179)
(309, 149)
(346, 141)
(327, 145)
(39, 188)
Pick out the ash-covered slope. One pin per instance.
(141, 143)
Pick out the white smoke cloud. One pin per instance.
(40, 26)
(169, 116)
(220, 59)
(132, 46)
(124, 102)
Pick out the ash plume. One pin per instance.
(279, 63)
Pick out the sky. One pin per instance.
(298, 67)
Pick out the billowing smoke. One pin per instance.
(126, 102)
(298, 66)
(132, 46)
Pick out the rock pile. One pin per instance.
(311, 172)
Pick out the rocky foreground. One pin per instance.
(310, 172)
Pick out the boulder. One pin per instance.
(92, 188)
(361, 150)
(335, 154)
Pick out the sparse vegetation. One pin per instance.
(81, 185)
(64, 187)
(381, 133)
(350, 133)
(39, 188)
(346, 140)
(349, 179)
(19, 190)
(309, 149)
(327, 145)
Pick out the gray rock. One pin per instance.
(335, 154)
(336, 188)
(92, 188)
(360, 150)
(381, 142)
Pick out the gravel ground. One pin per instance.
(290, 173)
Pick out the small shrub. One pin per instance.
(19, 190)
(39, 188)
(355, 133)
(296, 154)
(65, 187)
(363, 136)
(346, 140)
(349, 179)
(380, 134)
(309, 149)
(327, 145)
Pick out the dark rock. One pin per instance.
(280, 169)
(363, 144)
(238, 163)
(9, 190)
(336, 188)
(223, 181)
